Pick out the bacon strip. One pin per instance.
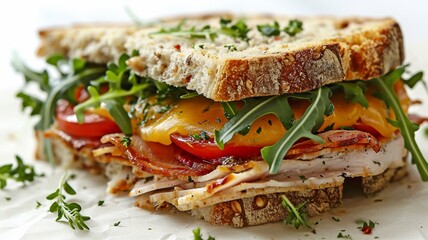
(155, 158)
(335, 139)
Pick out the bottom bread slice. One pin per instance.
(267, 208)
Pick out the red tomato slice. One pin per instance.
(94, 125)
(208, 149)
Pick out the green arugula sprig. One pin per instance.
(402, 122)
(60, 85)
(69, 211)
(296, 216)
(197, 235)
(354, 92)
(253, 109)
(310, 121)
(20, 173)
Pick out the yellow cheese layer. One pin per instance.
(191, 116)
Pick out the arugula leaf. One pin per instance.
(407, 128)
(230, 109)
(28, 101)
(21, 173)
(40, 78)
(253, 110)
(296, 216)
(294, 27)
(56, 60)
(54, 95)
(354, 92)
(70, 211)
(120, 116)
(413, 80)
(269, 30)
(310, 121)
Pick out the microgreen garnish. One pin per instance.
(116, 224)
(407, 128)
(239, 29)
(269, 30)
(366, 227)
(296, 216)
(294, 27)
(100, 202)
(38, 204)
(197, 235)
(191, 32)
(20, 173)
(70, 211)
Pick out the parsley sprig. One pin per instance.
(402, 122)
(67, 210)
(20, 173)
(296, 216)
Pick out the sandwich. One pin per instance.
(238, 120)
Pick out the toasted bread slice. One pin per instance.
(327, 50)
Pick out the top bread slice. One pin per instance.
(328, 50)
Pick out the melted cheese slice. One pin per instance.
(191, 116)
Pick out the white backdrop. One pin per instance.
(402, 214)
